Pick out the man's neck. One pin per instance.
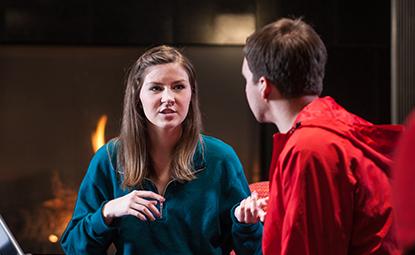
(285, 111)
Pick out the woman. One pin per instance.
(161, 187)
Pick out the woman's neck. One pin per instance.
(162, 143)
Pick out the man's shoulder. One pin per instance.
(313, 139)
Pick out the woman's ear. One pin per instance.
(265, 87)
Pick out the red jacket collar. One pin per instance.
(376, 141)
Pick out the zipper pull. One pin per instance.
(161, 210)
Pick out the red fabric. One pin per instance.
(404, 191)
(329, 185)
(262, 188)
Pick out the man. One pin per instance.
(330, 171)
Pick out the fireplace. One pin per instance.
(43, 203)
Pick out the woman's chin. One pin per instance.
(167, 126)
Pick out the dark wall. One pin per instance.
(112, 22)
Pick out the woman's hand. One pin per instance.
(135, 203)
(251, 209)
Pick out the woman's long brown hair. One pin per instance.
(133, 157)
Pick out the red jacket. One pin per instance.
(404, 181)
(330, 185)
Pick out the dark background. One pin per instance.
(62, 65)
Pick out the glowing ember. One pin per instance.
(53, 238)
(98, 137)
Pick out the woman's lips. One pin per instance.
(167, 111)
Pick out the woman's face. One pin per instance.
(165, 95)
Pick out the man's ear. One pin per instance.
(265, 87)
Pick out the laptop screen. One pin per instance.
(8, 244)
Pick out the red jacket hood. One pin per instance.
(377, 142)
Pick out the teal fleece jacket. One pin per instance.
(197, 216)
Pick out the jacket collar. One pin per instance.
(376, 141)
(199, 161)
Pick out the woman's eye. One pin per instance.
(179, 87)
(156, 88)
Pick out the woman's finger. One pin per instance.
(253, 206)
(262, 202)
(150, 204)
(247, 210)
(144, 211)
(261, 215)
(154, 210)
(137, 214)
(147, 213)
(242, 211)
(149, 194)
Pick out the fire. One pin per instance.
(98, 137)
(53, 238)
(48, 220)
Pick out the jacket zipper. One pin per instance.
(162, 194)
(165, 189)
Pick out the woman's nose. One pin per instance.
(167, 97)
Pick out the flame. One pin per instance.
(98, 137)
(53, 238)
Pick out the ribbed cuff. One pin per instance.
(98, 222)
(243, 227)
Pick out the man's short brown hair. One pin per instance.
(290, 54)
